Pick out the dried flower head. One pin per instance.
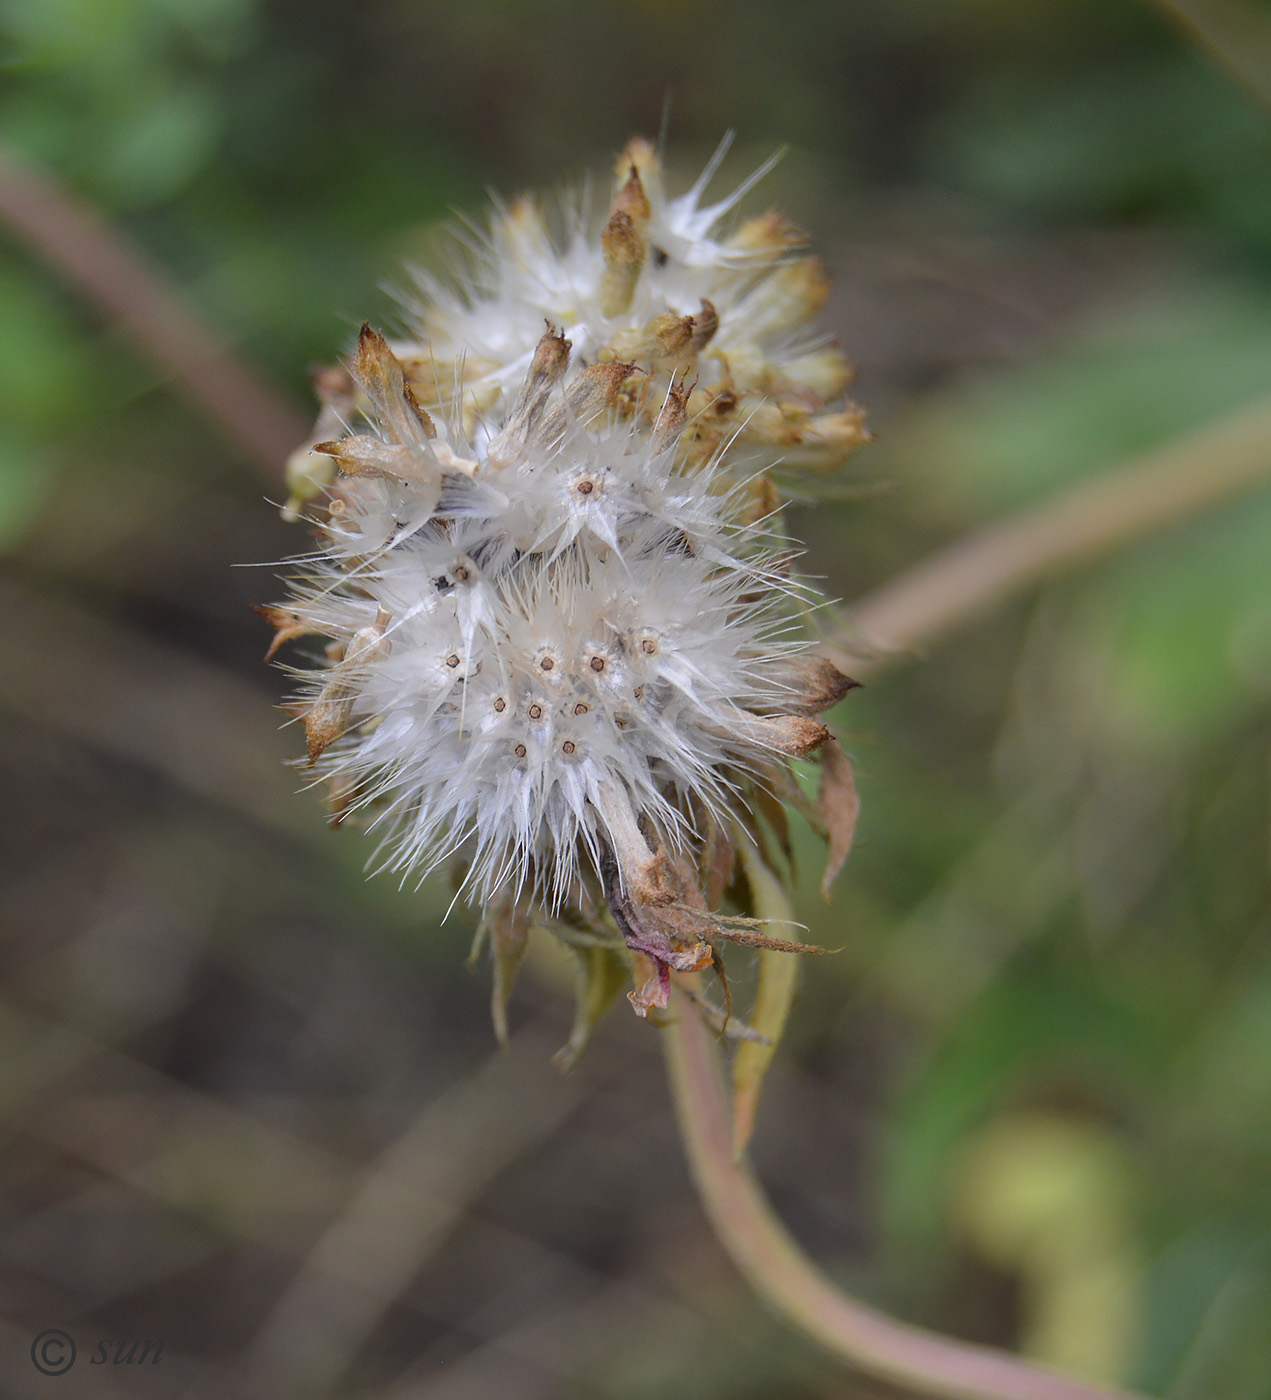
(563, 631)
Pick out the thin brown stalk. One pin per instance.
(1234, 33)
(96, 257)
(1148, 494)
(777, 1268)
(402, 1209)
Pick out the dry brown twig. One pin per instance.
(1150, 493)
(97, 258)
(1235, 33)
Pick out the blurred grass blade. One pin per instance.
(778, 977)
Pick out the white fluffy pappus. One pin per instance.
(561, 633)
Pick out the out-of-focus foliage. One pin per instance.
(1029, 1100)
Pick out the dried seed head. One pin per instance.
(560, 626)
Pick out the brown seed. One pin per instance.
(461, 573)
(453, 660)
(597, 663)
(551, 359)
(623, 245)
(631, 198)
(536, 712)
(580, 708)
(547, 663)
(592, 390)
(585, 487)
(568, 746)
(383, 380)
(500, 705)
(704, 324)
(648, 646)
(519, 751)
(672, 416)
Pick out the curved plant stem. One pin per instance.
(1150, 493)
(781, 1273)
(1094, 517)
(98, 258)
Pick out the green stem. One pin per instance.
(1090, 519)
(780, 1272)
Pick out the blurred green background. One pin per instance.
(251, 1104)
